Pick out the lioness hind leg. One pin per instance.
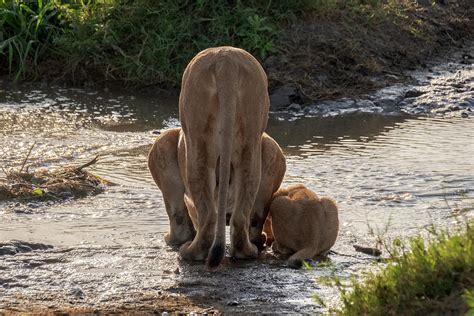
(247, 180)
(296, 260)
(198, 249)
(201, 184)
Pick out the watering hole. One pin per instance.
(391, 174)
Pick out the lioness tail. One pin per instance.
(226, 73)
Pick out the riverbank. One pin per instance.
(312, 50)
(438, 269)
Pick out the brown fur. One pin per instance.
(303, 225)
(163, 164)
(223, 108)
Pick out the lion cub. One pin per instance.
(301, 223)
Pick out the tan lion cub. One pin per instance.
(304, 225)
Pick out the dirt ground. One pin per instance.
(153, 279)
(334, 56)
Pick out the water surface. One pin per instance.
(388, 172)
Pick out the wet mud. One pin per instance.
(392, 173)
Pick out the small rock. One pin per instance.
(368, 250)
(176, 271)
(413, 93)
(393, 77)
(387, 102)
(464, 115)
(16, 246)
(77, 292)
(65, 194)
(232, 303)
(44, 83)
(294, 107)
(283, 96)
(32, 205)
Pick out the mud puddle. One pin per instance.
(391, 174)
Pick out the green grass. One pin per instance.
(135, 42)
(26, 31)
(432, 276)
(148, 42)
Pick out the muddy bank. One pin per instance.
(444, 88)
(349, 54)
(154, 279)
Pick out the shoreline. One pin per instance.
(322, 55)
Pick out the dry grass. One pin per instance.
(58, 184)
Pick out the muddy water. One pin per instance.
(392, 174)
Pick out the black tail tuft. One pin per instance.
(215, 257)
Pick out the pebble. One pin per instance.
(294, 107)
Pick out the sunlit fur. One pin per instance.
(302, 224)
(165, 169)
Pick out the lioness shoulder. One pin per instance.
(304, 225)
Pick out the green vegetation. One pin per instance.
(434, 276)
(133, 41)
(146, 42)
(26, 31)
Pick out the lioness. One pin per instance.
(223, 108)
(303, 224)
(163, 164)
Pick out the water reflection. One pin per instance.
(358, 127)
(379, 168)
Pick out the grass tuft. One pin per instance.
(429, 278)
